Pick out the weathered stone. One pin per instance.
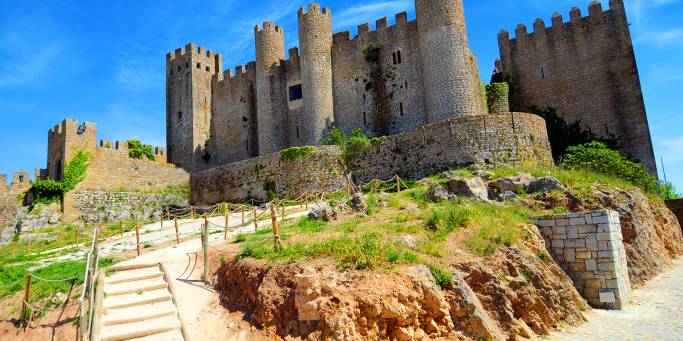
(469, 188)
(512, 184)
(358, 202)
(322, 212)
(546, 184)
(437, 193)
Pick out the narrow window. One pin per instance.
(208, 69)
(187, 65)
(406, 84)
(393, 55)
(199, 65)
(295, 92)
(543, 71)
(180, 115)
(204, 99)
(21, 178)
(400, 108)
(179, 68)
(398, 56)
(365, 120)
(297, 131)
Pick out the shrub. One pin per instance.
(669, 192)
(372, 201)
(351, 145)
(597, 157)
(136, 150)
(563, 135)
(494, 91)
(294, 153)
(371, 52)
(442, 277)
(48, 191)
(446, 220)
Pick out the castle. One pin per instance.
(390, 80)
(395, 79)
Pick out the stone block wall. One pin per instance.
(94, 207)
(10, 196)
(676, 206)
(589, 247)
(511, 138)
(316, 172)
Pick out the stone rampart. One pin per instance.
(589, 247)
(315, 172)
(512, 138)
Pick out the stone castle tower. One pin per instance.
(586, 69)
(424, 72)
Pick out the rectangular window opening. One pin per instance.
(365, 119)
(297, 131)
(406, 82)
(400, 108)
(295, 92)
(199, 65)
(21, 178)
(208, 69)
(180, 115)
(393, 55)
(398, 56)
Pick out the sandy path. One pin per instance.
(654, 313)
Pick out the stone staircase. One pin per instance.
(138, 303)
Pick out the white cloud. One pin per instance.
(637, 8)
(352, 16)
(661, 38)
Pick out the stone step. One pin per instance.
(133, 275)
(138, 313)
(134, 287)
(173, 335)
(146, 328)
(131, 300)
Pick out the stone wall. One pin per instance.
(586, 69)
(512, 138)
(676, 206)
(11, 196)
(254, 178)
(94, 207)
(589, 247)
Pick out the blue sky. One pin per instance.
(104, 61)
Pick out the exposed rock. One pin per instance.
(546, 184)
(437, 193)
(468, 314)
(322, 212)
(470, 188)
(508, 196)
(483, 174)
(512, 183)
(358, 202)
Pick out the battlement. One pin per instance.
(192, 51)
(314, 9)
(269, 27)
(596, 16)
(239, 74)
(70, 125)
(19, 179)
(400, 19)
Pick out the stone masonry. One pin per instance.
(589, 247)
(586, 69)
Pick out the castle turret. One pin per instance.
(315, 37)
(270, 105)
(64, 140)
(188, 104)
(446, 69)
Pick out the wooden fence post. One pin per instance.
(398, 184)
(194, 213)
(205, 247)
(161, 219)
(255, 222)
(276, 230)
(168, 213)
(137, 237)
(242, 209)
(121, 228)
(28, 251)
(177, 238)
(227, 224)
(283, 212)
(27, 289)
(206, 222)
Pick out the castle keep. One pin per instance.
(584, 68)
(387, 81)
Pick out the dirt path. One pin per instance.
(655, 313)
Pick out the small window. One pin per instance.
(199, 65)
(406, 82)
(21, 178)
(187, 65)
(295, 92)
(400, 108)
(208, 69)
(398, 56)
(365, 119)
(297, 131)
(179, 68)
(393, 56)
(180, 115)
(543, 71)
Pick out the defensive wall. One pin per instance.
(589, 247)
(512, 138)
(676, 206)
(110, 167)
(11, 196)
(584, 68)
(418, 72)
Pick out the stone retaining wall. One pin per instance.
(589, 247)
(94, 207)
(315, 172)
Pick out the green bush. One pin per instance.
(597, 157)
(669, 192)
(351, 145)
(371, 52)
(442, 277)
(446, 220)
(136, 150)
(294, 153)
(495, 91)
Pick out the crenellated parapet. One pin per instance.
(193, 56)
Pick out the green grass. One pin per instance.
(395, 202)
(443, 278)
(372, 200)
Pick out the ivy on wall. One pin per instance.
(495, 91)
(48, 191)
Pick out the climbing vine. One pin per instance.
(48, 191)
